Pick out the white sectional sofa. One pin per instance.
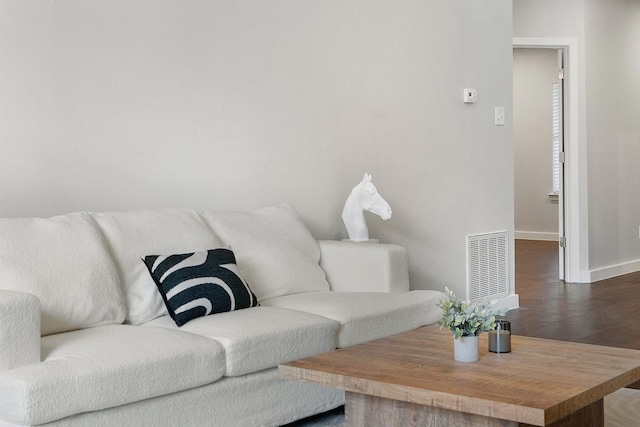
(87, 339)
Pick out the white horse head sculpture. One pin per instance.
(363, 197)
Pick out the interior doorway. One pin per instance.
(576, 231)
(539, 146)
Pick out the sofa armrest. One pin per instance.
(365, 267)
(19, 329)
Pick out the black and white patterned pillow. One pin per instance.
(200, 283)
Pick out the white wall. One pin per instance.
(608, 35)
(534, 72)
(211, 104)
(613, 64)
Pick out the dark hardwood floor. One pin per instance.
(606, 312)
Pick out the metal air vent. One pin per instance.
(488, 265)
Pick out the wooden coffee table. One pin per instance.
(412, 379)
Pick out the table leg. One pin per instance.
(591, 415)
(362, 411)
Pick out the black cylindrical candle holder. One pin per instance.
(500, 337)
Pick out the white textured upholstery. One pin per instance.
(19, 329)
(132, 235)
(220, 370)
(366, 316)
(63, 261)
(364, 266)
(276, 253)
(262, 337)
(107, 366)
(260, 399)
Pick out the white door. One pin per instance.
(559, 158)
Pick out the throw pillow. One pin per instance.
(200, 283)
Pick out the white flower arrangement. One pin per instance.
(464, 318)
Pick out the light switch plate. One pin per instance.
(499, 116)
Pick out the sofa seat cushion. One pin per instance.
(97, 368)
(135, 234)
(276, 253)
(365, 316)
(65, 262)
(262, 337)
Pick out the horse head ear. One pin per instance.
(367, 178)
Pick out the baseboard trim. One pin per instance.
(614, 271)
(535, 235)
(509, 302)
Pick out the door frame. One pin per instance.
(575, 179)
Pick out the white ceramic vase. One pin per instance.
(465, 349)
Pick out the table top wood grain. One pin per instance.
(538, 382)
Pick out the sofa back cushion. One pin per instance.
(64, 261)
(136, 234)
(275, 251)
